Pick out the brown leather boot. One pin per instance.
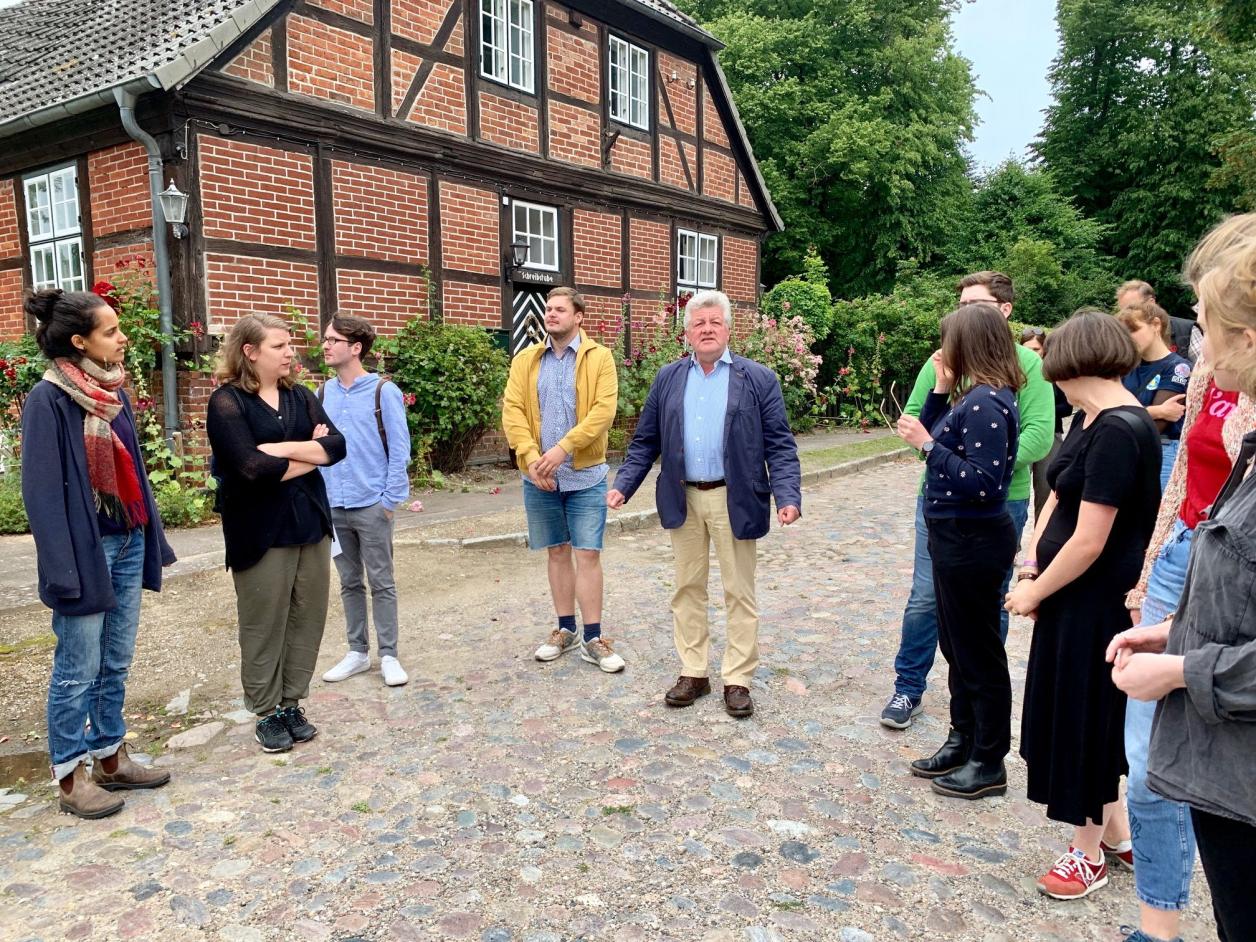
(687, 690)
(737, 701)
(129, 774)
(85, 798)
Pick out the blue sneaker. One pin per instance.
(898, 713)
(1137, 935)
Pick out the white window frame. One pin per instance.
(54, 230)
(697, 261)
(507, 43)
(536, 212)
(628, 83)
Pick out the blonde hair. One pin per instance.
(1146, 312)
(1228, 291)
(233, 367)
(1145, 291)
(1224, 235)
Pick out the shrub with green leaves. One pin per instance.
(12, 509)
(806, 296)
(452, 377)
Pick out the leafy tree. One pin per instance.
(1144, 92)
(858, 112)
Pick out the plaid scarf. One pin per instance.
(110, 468)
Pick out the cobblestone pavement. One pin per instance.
(495, 798)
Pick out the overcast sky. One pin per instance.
(1011, 44)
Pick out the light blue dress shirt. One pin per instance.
(706, 401)
(556, 391)
(367, 476)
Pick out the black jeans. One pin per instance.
(1228, 851)
(970, 561)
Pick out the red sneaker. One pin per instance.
(1122, 854)
(1073, 876)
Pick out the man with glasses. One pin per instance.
(919, 641)
(364, 491)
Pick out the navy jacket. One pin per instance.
(73, 576)
(760, 455)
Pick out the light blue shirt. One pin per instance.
(367, 476)
(556, 391)
(706, 401)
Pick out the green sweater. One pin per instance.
(1037, 417)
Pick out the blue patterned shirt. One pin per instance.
(556, 390)
(706, 401)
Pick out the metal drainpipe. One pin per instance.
(161, 254)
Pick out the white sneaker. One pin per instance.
(599, 652)
(394, 674)
(355, 662)
(559, 643)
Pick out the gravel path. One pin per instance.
(502, 800)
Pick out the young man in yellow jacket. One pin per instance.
(560, 402)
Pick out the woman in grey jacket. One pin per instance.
(1201, 662)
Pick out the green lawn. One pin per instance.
(828, 457)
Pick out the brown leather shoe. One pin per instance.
(687, 690)
(737, 701)
(85, 798)
(128, 775)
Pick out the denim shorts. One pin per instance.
(559, 517)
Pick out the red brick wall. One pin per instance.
(717, 175)
(108, 263)
(603, 319)
(712, 124)
(646, 315)
(360, 10)
(256, 63)
(574, 135)
(744, 196)
(573, 63)
(508, 123)
(683, 98)
(420, 19)
(633, 157)
(380, 213)
(329, 63)
(252, 193)
(387, 301)
(650, 256)
(10, 245)
(739, 268)
(598, 248)
(671, 170)
(464, 303)
(442, 103)
(237, 285)
(12, 319)
(470, 223)
(118, 185)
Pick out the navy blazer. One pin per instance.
(760, 455)
(73, 575)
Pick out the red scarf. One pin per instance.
(110, 468)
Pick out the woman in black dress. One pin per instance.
(1085, 555)
(269, 435)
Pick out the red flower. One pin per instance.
(409, 398)
(4, 364)
(11, 374)
(197, 329)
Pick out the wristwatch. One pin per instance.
(926, 448)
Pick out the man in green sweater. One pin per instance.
(919, 641)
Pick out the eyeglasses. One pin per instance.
(335, 340)
(1035, 331)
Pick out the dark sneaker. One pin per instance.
(299, 728)
(273, 734)
(898, 713)
(1137, 935)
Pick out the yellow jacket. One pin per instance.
(597, 394)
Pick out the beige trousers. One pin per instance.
(706, 522)
(281, 604)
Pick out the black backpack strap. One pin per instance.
(379, 415)
(1139, 424)
(320, 392)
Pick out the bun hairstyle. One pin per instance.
(61, 316)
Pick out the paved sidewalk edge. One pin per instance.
(644, 518)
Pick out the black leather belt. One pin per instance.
(705, 485)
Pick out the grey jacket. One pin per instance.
(1203, 743)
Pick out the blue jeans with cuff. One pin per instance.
(1164, 840)
(91, 662)
(918, 645)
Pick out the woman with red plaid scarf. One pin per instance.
(98, 540)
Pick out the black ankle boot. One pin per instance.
(953, 754)
(975, 779)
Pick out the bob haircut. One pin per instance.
(1090, 344)
(236, 368)
(977, 347)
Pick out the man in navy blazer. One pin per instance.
(718, 421)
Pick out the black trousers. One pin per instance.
(970, 561)
(1228, 851)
